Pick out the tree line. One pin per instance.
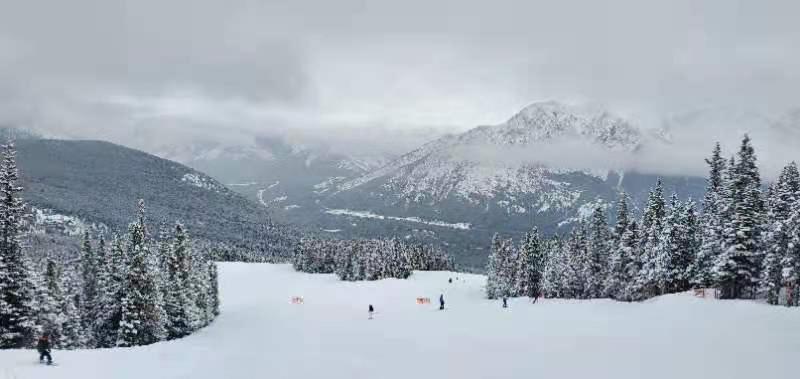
(137, 290)
(744, 243)
(367, 259)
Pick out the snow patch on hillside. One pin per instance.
(366, 214)
(201, 182)
(242, 184)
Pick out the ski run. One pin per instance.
(261, 332)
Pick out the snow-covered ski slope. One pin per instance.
(261, 334)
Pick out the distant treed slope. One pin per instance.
(101, 182)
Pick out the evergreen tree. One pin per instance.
(652, 223)
(712, 226)
(17, 290)
(89, 294)
(688, 247)
(791, 260)
(197, 310)
(142, 321)
(50, 299)
(783, 197)
(73, 335)
(213, 290)
(178, 302)
(623, 217)
(738, 270)
(530, 273)
(500, 277)
(777, 241)
(631, 264)
(576, 253)
(554, 269)
(598, 254)
(786, 193)
(110, 295)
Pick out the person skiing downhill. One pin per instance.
(505, 302)
(43, 346)
(371, 311)
(441, 302)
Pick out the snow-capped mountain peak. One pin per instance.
(552, 120)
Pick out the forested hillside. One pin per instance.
(99, 182)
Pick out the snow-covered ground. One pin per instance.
(261, 334)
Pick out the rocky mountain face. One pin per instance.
(456, 190)
(460, 189)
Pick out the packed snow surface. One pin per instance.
(260, 333)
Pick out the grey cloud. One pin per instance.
(237, 69)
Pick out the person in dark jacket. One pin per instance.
(371, 311)
(505, 302)
(441, 302)
(43, 346)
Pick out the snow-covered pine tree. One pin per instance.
(49, 301)
(344, 261)
(652, 223)
(616, 278)
(357, 264)
(623, 218)
(508, 268)
(103, 292)
(531, 263)
(73, 335)
(142, 322)
(791, 261)
(494, 268)
(198, 283)
(688, 247)
(667, 248)
(17, 290)
(598, 254)
(111, 291)
(724, 269)
(576, 254)
(784, 194)
(555, 267)
(88, 264)
(213, 290)
(178, 302)
(629, 247)
(538, 257)
(711, 222)
(738, 270)
(777, 239)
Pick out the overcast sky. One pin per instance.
(131, 71)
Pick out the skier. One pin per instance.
(450, 280)
(43, 346)
(371, 311)
(505, 302)
(441, 302)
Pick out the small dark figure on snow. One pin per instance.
(450, 280)
(371, 311)
(505, 303)
(441, 302)
(43, 346)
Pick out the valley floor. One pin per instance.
(261, 334)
